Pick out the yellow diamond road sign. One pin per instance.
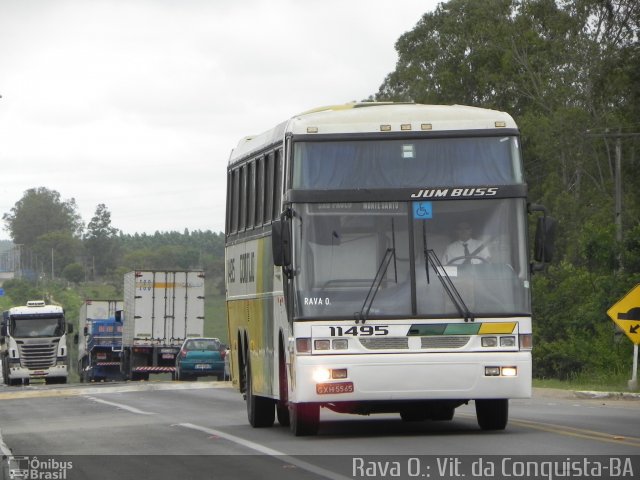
(626, 314)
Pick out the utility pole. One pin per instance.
(633, 383)
(618, 136)
(618, 189)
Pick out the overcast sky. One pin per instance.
(137, 103)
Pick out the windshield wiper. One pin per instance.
(362, 315)
(377, 280)
(431, 258)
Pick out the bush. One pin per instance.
(74, 272)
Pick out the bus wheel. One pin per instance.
(260, 410)
(282, 412)
(492, 414)
(282, 409)
(304, 418)
(413, 415)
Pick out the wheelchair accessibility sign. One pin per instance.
(422, 210)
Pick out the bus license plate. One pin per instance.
(203, 366)
(331, 388)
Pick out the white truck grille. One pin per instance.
(35, 356)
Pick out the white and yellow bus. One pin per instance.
(344, 286)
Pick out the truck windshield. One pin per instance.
(372, 259)
(32, 327)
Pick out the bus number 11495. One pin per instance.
(360, 330)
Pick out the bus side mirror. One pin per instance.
(76, 339)
(544, 245)
(4, 331)
(276, 242)
(281, 242)
(69, 327)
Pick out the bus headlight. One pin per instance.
(321, 344)
(489, 341)
(321, 375)
(339, 373)
(340, 344)
(508, 341)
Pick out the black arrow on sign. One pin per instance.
(634, 329)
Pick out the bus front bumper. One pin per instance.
(408, 377)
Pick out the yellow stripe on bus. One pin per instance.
(499, 327)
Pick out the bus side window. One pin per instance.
(268, 190)
(277, 194)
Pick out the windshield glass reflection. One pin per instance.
(371, 260)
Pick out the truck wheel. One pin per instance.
(260, 410)
(304, 418)
(492, 414)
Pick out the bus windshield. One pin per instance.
(385, 163)
(372, 259)
(33, 327)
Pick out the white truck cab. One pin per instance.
(33, 344)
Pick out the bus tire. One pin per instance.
(492, 414)
(282, 409)
(304, 418)
(282, 412)
(260, 410)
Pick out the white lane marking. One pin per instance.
(71, 390)
(283, 457)
(123, 407)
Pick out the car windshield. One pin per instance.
(411, 259)
(202, 344)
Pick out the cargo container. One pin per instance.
(161, 310)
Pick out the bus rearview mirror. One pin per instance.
(545, 239)
(281, 242)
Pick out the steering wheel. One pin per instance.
(466, 257)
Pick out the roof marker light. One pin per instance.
(405, 127)
(312, 129)
(426, 126)
(385, 128)
(500, 124)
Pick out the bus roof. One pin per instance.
(376, 117)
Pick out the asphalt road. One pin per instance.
(199, 430)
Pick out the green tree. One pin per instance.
(21, 291)
(41, 211)
(568, 73)
(57, 250)
(74, 272)
(101, 242)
